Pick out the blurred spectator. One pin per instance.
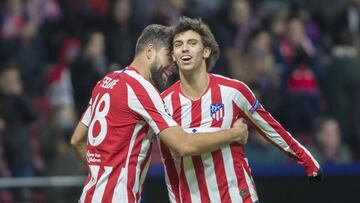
(21, 38)
(311, 28)
(233, 32)
(256, 67)
(12, 22)
(297, 63)
(278, 26)
(202, 8)
(56, 149)
(31, 59)
(120, 34)
(47, 15)
(42, 11)
(17, 113)
(169, 12)
(240, 23)
(261, 151)
(90, 13)
(348, 20)
(59, 88)
(54, 138)
(89, 67)
(328, 146)
(341, 84)
(5, 195)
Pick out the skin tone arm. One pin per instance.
(185, 144)
(78, 141)
(181, 143)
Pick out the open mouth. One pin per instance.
(186, 59)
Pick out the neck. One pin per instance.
(194, 83)
(141, 66)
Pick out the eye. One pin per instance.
(192, 42)
(177, 44)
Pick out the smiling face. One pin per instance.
(189, 52)
(161, 68)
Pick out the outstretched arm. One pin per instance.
(250, 108)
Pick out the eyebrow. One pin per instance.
(189, 40)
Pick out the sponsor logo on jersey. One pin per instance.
(217, 111)
(93, 157)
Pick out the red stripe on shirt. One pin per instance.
(237, 152)
(134, 162)
(91, 191)
(148, 104)
(176, 104)
(110, 187)
(219, 165)
(197, 161)
(184, 187)
(170, 170)
(239, 162)
(142, 167)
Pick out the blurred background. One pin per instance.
(300, 57)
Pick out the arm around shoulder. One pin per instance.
(185, 144)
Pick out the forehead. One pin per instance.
(187, 35)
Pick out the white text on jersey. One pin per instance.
(108, 83)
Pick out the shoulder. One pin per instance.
(229, 82)
(135, 80)
(170, 90)
(140, 87)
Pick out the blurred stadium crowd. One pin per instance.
(301, 57)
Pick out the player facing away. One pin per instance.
(204, 102)
(112, 137)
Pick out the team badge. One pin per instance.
(217, 111)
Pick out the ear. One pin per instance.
(207, 52)
(149, 51)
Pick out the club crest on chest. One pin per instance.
(217, 111)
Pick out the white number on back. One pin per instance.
(99, 116)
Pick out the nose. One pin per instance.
(185, 48)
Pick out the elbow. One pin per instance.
(74, 141)
(181, 152)
(185, 150)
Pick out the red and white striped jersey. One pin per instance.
(122, 107)
(223, 175)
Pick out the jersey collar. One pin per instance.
(133, 69)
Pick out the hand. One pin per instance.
(316, 177)
(241, 131)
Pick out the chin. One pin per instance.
(186, 68)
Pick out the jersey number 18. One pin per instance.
(98, 115)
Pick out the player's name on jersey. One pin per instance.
(108, 83)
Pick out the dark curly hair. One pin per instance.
(197, 25)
